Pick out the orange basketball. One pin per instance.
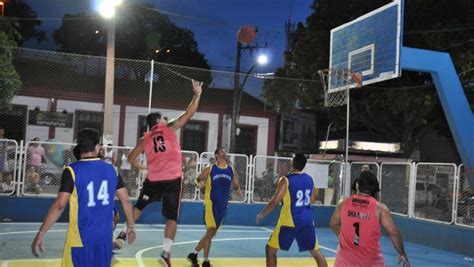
(357, 77)
(246, 34)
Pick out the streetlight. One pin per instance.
(2, 4)
(107, 10)
(238, 92)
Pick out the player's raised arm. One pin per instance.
(186, 116)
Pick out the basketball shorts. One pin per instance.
(168, 192)
(214, 214)
(97, 256)
(283, 236)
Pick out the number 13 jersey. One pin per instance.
(163, 153)
(296, 210)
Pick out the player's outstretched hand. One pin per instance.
(197, 87)
(131, 235)
(37, 245)
(404, 260)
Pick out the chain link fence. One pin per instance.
(465, 200)
(395, 184)
(190, 172)
(240, 163)
(434, 191)
(8, 166)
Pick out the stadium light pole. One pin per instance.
(237, 100)
(107, 10)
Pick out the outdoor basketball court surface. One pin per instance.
(232, 246)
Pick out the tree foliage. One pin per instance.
(141, 33)
(28, 25)
(9, 79)
(400, 110)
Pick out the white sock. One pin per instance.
(124, 228)
(167, 243)
(195, 252)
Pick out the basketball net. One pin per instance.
(342, 80)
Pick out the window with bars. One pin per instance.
(194, 136)
(246, 140)
(89, 119)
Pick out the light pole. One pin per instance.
(2, 5)
(107, 10)
(238, 92)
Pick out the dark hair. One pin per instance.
(87, 139)
(152, 118)
(368, 183)
(217, 150)
(299, 161)
(76, 153)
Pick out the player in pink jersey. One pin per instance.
(357, 220)
(164, 170)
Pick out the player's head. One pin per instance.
(154, 118)
(365, 167)
(88, 141)
(298, 162)
(367, 183)
(220, 154)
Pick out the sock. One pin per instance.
(167, 243)
(124, 228)
(206, 259)
(195, 252)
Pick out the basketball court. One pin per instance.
(232, 246)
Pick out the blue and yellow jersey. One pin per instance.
(296, 210)
(218, 185)
(91, 203)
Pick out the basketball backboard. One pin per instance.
(369, 45)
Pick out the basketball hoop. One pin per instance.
(336, 82)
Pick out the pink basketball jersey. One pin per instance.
(163, 154)
(359, 239)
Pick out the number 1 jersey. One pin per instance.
(91, 203)
(163, 153)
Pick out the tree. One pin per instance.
(27, 26)
(396, 115)
(141, 33)
(9, 79)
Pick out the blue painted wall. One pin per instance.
(447, 237)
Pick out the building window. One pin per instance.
(89, 119)
(13, 122)
(246, 140)
(193, 136)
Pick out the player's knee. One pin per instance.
(270, 251)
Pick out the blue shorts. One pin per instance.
(97, 256)
(214, 215)
(283, 236)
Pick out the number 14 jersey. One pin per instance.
(163, 153)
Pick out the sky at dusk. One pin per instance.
(214, 23)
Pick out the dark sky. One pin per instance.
(214, 23)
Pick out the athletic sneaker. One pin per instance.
(120, 240)
(164, 259)
(206, 263)
(193, 259)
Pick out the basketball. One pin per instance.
(357, 78)
(246, 34)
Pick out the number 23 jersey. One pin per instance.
(163, 153)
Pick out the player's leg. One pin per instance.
(271, 255)
(170, 210)
(307, 241)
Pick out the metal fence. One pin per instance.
(437, 192)
(433, 191)
(464, 200)
(8, 166)
(395, 185)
